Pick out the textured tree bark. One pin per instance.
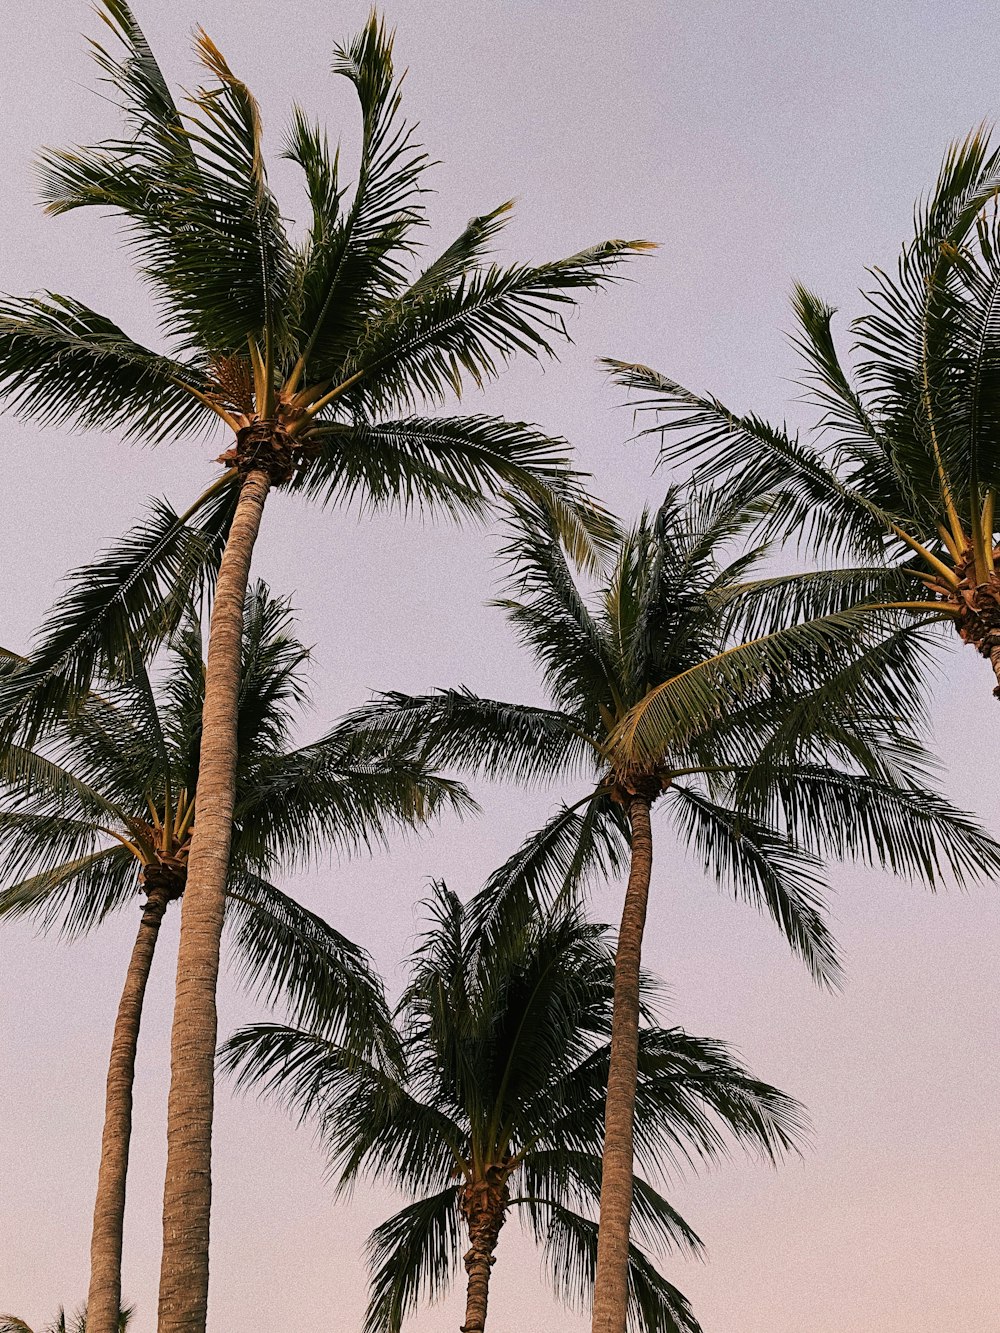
(187, 1193)
(611, 1284)
(104, 1298)
(484, 1208)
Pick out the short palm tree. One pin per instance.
(100, 816)
(306, 352)
(10, 1323)
(498, 1110)
(903, 471)
(765, 753)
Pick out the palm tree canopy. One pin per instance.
(505, 1055)
(329, 344)
(769, 748)
(903, 468)
(100, 814)
(78, 1324)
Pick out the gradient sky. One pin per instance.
(759, 143)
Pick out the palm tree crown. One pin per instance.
(314, 353)
(767, 751)
(903, 470)
(498, 1109)
(101, 813)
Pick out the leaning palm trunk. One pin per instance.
(611, 1284)
(188, 1186)
(483, 1205)
(104, 1299)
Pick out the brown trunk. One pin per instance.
(978, 620)
(611, 1284)
(483, 1206)
(187, 1193)
(104, 1299)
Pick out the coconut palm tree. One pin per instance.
(10, 1323)
(765, 754)
(902, 472)
(498, 1111)
(313, 355)
(100, 817)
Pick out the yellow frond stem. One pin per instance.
(956, 552)
(184, 822)
(320, 403)
(292, 383)
(948, 575)
(168, 817)
(139, 855)
(986, 532)
(259, 376)
(219, 411)
(942, 608)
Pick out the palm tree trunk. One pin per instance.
(105, 1296)
(187, 1193)
(611, 1284)
(484, 1206)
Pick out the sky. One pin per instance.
(759, 142)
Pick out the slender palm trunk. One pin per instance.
(611, 1285)
(104, 1299)
(484, 1207)
(187, 1193)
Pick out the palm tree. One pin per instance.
(10, 1323)
(499, 1107)
(903, 470)
(303, 351)
(766, 753)
(101, 815)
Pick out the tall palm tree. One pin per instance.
(498, 1111)
(902, 472)
(10, 1323)
(303, 351)
(766, 753)
(101, 815)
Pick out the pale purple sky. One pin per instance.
(759, 143)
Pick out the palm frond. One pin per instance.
(289, 955)
(124, 601)
(764, 868)
(412, 1257)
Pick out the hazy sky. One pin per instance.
(759, 143)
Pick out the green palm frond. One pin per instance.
(62, 363)
(289, 955)
(423, 349)
(573, 848)
(655, 1305)
(117, 607)
(412, 1257)
(356, 258)
(808, 498)
(483, 736)
(464, 252)
(452, 464)
(680, 706)
(766, 869)
(76, 895)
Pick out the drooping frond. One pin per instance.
(412, 1257)
(655, 1305)
(63, 363)
(456, 465)
(289, 955)
(482, 736)
(121, 603)
(765, 869)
